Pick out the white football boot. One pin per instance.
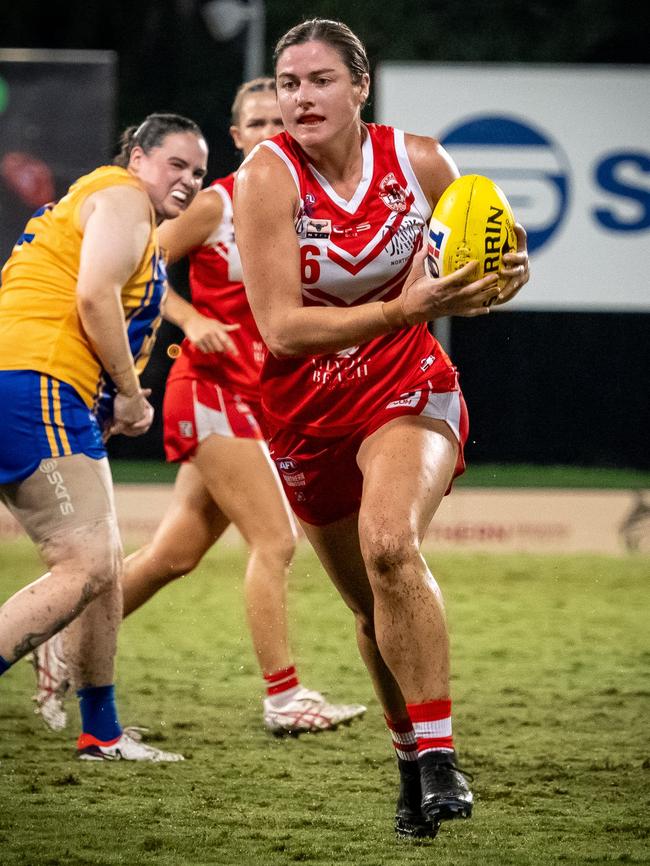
(308, 712)
(129, 747)
(52, 682)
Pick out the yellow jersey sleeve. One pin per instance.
(39, 323)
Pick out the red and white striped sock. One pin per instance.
(404, 741)
(281, 685)
(432, 725)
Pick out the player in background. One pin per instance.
(79, 307)
(211, 413)
(366, 419)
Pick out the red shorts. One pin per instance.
(320, 475)
(194, 409)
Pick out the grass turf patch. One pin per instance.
(477, 475)
(550, 684)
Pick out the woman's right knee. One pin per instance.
(165, 566)
(277, 550)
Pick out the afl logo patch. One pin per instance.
(286, 464)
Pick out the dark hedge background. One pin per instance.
(542, 387)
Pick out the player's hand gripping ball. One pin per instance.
(472, 220)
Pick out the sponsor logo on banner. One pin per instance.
(536, 178)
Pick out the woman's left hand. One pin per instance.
(515, 271)
(210, 335)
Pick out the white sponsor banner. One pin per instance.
(570, 147)
(497, 521)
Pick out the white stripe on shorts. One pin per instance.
(210, 421)
(445, 407)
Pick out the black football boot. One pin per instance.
(445, 793)
(410, 823)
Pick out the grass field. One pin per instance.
(477, 475)
(551, 715)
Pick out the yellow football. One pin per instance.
(472, 220)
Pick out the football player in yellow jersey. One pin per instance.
(79, 305)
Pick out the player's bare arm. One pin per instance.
(178, 238)
(207, 334)
(116, 224)
(433, 166)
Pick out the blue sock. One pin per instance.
(99, 713)
(4, 665)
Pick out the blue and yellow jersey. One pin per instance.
(40, 328)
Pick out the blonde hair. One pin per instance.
(256, 85)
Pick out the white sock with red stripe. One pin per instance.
(404, 740)
(281, 686)
(432, 725)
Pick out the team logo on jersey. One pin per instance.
(392, 194)
(427, 362)
(186, 429)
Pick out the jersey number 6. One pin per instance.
(309, 266)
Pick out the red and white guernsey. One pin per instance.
(218, 292)
(354, 252)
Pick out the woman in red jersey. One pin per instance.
(366, 419)
(211, 413)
